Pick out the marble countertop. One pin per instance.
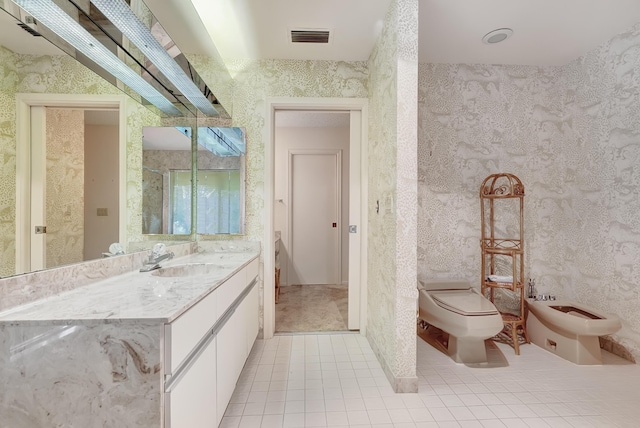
(133, 296)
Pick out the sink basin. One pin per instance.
(190, 269)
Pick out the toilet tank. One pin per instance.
(444, 284)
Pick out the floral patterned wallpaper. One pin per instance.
(138, 117)
(572, 135)
(255, 81)
(392, 172)
(475, 121)
(601, 154)
(8, 83)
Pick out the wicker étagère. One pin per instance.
(502, 248)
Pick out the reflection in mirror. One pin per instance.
(220, 190)
(166, 180)
(152, 201)
(35, 66)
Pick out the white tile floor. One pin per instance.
(335, 381)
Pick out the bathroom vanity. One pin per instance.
(142, 349)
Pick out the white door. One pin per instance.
(314, 186)
(57, 186)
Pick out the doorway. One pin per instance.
(312, 185)
(74, 184)
(103, 180)
(356, 199)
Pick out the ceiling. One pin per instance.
(261, 29)
(19, 41)
(164, 138)
(546, 32)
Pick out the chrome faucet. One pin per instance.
(153, 262)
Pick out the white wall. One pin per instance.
(101, 188)
(308, 138)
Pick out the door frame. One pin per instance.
(337, 251)
(358, 201)
(24, 102)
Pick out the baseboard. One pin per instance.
(398, 384)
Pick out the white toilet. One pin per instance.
(569, 330)
(461, 311)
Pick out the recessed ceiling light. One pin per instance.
(497, 36)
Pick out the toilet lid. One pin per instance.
(464, 302)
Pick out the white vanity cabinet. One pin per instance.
(205, 351)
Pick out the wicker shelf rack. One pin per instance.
(502, 247)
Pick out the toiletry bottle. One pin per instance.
(532, 288)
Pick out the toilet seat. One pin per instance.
(464, 302)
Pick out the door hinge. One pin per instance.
(353, 228)
(41, 229)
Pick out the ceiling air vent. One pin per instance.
(309, 36)
(29, 30)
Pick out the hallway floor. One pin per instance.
(334, 380)
(312, 308)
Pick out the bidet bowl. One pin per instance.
(574, 322)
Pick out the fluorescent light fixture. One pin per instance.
(185, 130)
(50, 15)
(214, 141)
(123, 17)
(236, 138)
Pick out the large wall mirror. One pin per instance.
(166, 180)
(169, 174)
(38, 66)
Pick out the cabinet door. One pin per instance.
(231, 354)
(251, 305)
(251, 315)
(192, 402)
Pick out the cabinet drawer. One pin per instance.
(230, 290)
(252, 269)
(184, 333)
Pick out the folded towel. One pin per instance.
(500, 278)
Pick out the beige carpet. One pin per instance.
(312, 308)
